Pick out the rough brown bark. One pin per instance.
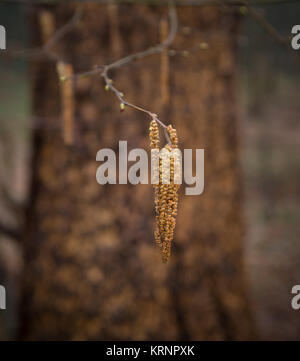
(92, 270)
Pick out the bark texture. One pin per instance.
(92, 269)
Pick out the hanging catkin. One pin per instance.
(46, 20)
(65, 72)
(166, 191)
(154, 144)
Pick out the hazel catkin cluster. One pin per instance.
(166, 189)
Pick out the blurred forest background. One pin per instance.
(267, 90)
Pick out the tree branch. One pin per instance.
(46, 49)
(268, 27)
(104, 69)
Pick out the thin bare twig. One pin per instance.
(150, 51)
(282, 40)
(60, 33)
(104, 69)
(268, 27)
(46, 49)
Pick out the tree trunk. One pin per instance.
(92, 270)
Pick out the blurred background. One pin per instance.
(267, 94)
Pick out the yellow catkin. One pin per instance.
(47, 24)
(154, 144)
(65, 72)
(154, 135)
(166, 191)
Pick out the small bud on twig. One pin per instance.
(122, 106)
